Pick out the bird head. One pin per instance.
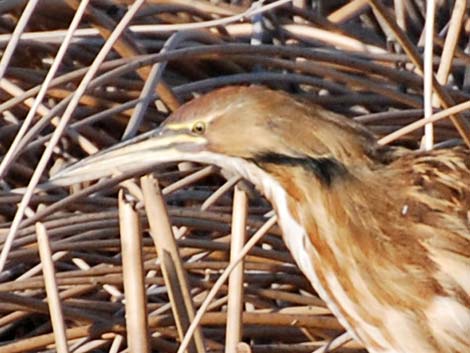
(230, 125)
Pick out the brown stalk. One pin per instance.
(89, 346)
(347, 11)
(116, 345)
(172, 266)
(420, 123)
(133, 277)
(40, 342)
(52, 291)
(275, 319)
(219, 192)
(234, 331)
(335, 343)
(190, 179)
(451, 41)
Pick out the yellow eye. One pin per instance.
(199, 128)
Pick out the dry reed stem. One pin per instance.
(334, 39)
(448, 51)
(420, 123)
(40, 342)
(190, 179)
(13, 41)
(274, 319)
(451, 41)
(172, 267)
(38, 268)
(133, 277)
(428, 74)
(85, 346)
(116, 345)
(347, 11)
(234, 331)
(335, 343)
(216, 195)
(53, 299)
(112, 290)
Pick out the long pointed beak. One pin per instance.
(154, 147)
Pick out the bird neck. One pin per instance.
(318, 214)
(330, 201)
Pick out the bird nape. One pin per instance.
(382, 234)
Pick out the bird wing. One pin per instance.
(437, 204)
(438, 198)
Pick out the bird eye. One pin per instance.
(199, 128)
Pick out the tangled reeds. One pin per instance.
(106, 266)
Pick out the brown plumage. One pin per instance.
(383, 234)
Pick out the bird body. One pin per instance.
(384, 261)
(383, 234)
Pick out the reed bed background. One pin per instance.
(125, 266)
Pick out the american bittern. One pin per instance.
(382, 234)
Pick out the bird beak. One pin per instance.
(158, 146)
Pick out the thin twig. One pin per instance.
(447, 113)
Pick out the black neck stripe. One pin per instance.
(326, 169)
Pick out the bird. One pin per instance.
(382, 233)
